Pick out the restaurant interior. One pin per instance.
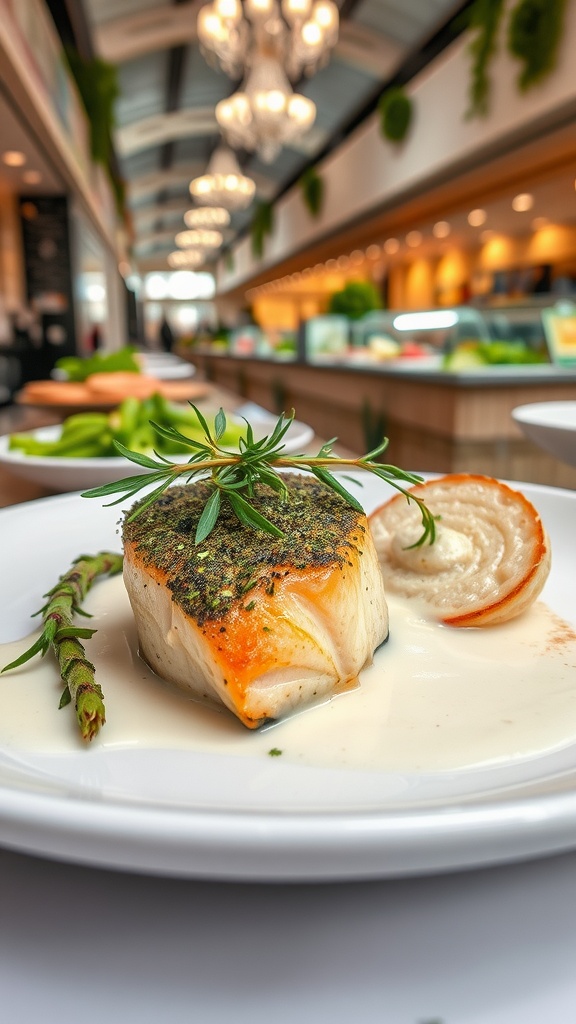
(409, 167)
(361, 215)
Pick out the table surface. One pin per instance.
(80, 944)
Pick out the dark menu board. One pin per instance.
(47, 265)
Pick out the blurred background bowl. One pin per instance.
(550, 425)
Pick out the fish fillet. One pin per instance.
(258, 624)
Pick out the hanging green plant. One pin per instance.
(534, 34)
(262, 225)
(484, 21)
(312, 186)
(119, 191)
(97, 83)
(395, 108)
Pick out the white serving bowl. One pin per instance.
(552, 426)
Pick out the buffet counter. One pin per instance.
(437, 421)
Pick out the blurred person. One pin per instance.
(166, 335)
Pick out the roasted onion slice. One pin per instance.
(490, 559)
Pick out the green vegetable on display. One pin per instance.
(93, 434)
(77, 368)
(491, 353)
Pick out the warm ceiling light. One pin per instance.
(223, 184)
(522, 202)
(13, 158)
(343, 262)
(414, 238)
(486, 235)
(477, 217)
(186, 258)
(293, 10)
(207, 217)
(302, 36)
(357, 257)
(325, 14)
(331, 265)
(540, 222)
(441, 229)
(373, 252)
(201, 238)
(31, 177)
(391, 245)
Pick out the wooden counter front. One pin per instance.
(436, 421)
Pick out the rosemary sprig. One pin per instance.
(235, 474)
(60, 634)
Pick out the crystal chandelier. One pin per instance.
(207, 217)
(301, 32)
(223, 184)
(200, 238)
(266, 113)
(269, 45)
(186, 259)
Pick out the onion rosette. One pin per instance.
(489, 561)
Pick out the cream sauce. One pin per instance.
(434, 699)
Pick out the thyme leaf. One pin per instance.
(235, 474)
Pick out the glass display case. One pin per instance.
(448, 338)
(415, 332)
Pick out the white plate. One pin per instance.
(551, 425)
(191, 813)
(59, 474)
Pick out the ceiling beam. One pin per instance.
(148, 215)
(367, 50)
(147, 185)
(162, 128)
(194, 121)
(155, 239)
(160, 28)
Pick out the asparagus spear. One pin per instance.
(59, 632)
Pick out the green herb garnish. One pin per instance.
(236, 474)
